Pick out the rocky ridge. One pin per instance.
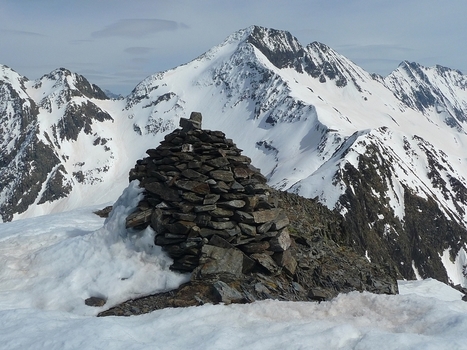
(215, 216)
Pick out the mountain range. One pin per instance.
(385, 153)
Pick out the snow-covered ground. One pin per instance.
(50, 264)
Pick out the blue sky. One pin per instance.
(117, 43)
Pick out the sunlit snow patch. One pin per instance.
(55, 262)
(456, 269)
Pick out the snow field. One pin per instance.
(50, 264)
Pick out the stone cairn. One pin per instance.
(212, 211)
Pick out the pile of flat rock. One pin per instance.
(216, 217)
(212, 211)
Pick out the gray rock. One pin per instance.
(220, 242)
(281, 242)
(318, 294)
(139, 218)
(201, 208)
(189, 124)
(225, 225)
(220, 187)
(192, 197)
(280, 222)
(221, 213)
(286, 260)
(219, 163)
(236, 187)
(219, 261)
(249, 230)
(262, 216)
(267, 262)
(241, 173)
(164, 192)
(193, 186)
(222, 175)
(211, 198)
(206, 232)
(95, 301)
(242, 216)
(196, 117)
(194, 175)
(263, 228)
(180, 227)
(255, 247)
(227, 294)
(184, 216)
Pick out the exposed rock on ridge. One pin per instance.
(215, 216)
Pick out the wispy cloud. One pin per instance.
(80, 41)
(135, 28)
(22, 33)
(139, 50)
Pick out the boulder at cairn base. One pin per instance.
(212, 211)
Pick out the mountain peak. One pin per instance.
(280, 47)
(319, 47)
(65, 79)
(7, 72)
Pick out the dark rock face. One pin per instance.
(418, 240)
(25, 161)
(285, 51)
(31, 168)
(80, 117)
(243, 241)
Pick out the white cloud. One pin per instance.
(135, 28)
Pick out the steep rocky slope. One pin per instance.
(44, 126)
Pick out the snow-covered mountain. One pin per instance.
(388, 153)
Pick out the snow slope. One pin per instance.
(50, 264)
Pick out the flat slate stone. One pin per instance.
(222, 175)
(193, 186)
(227, 294)
(220, 261)
(267, 262)
(139, 218)
(194, 175)
(211, 198)
(260, 217)
(163, 191)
